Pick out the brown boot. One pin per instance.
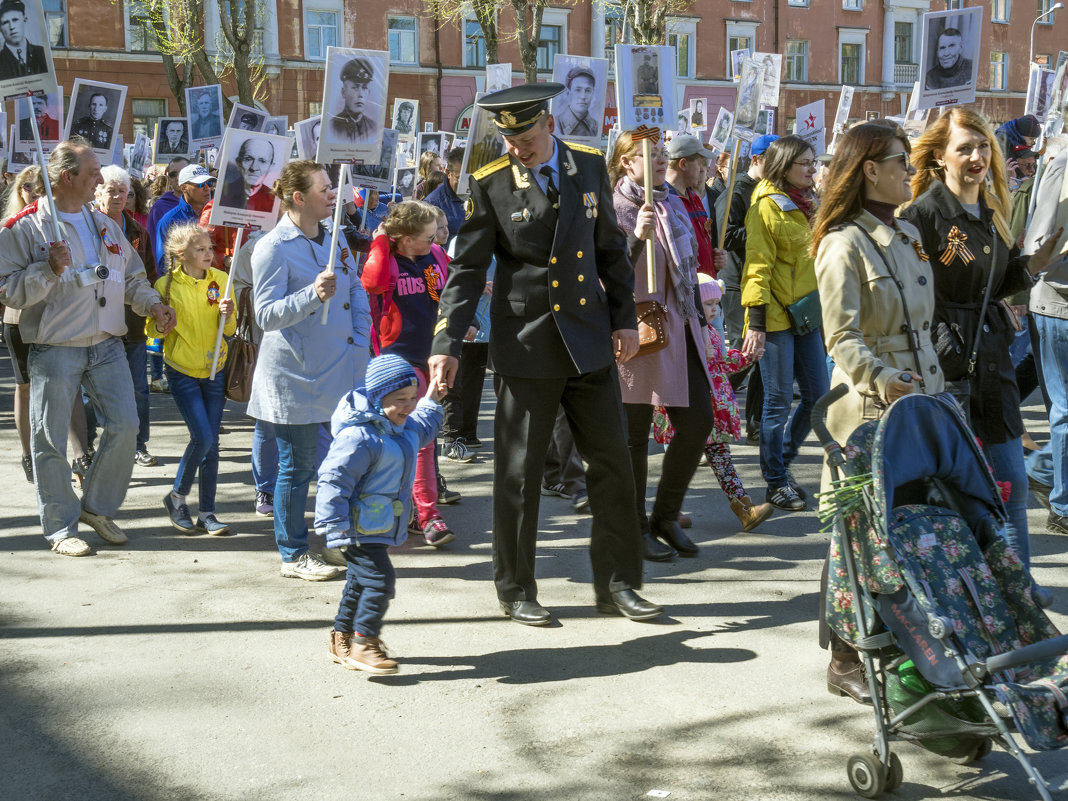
(340, 649)
(846, 677)
(749, 515)
(368, 654)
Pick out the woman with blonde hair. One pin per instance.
(960, 206)
(429, 163)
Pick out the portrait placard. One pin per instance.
(698, 120)
(769, 93)
(25, 51)
(203, 109)
(737, 58)
(845, 102)
(1039, 91)
(498, 77)
(484, 144)
(683, 125)
(94, 114)
(140, 155)
(721, 130)
(354, 105)
(378, 176)
(645, 85)
(765, 123)
(48, 111)
(579, 111)
(750, 88)
(308, 137)
(172, 140)
(915, 121)
(811, 125)
(949, 56)
(430, 142)
(404, 182)
(405, 118)
(246, 118)
(18, 156)
(277, 126)
(249, 163)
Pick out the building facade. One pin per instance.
(872, 45)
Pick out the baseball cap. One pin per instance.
(1023, 152)
(761, 144)
(684, 146)
(193, 174)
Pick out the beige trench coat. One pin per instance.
(863, 316)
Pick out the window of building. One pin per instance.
(403, 44)
(797, 61)
(951, 4)
(903, 43)
(322, 33)
(256, 39)
(315, 109)
(999, 71)
(549, 44)
(56, 20)
(1043, 7)
(853, 5)
(798, 3)
(682, 35)
(999, 10)
(615, 25)
(145, 114)
(474, 44)
(850, 55)
(140, 35)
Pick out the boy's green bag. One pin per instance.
(375, 515)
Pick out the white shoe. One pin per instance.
(105, 527)
(310, 568)
(72, 546)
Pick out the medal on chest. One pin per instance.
(589, 200)
(213, 293)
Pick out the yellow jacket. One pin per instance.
(189, 346)
(776, 255)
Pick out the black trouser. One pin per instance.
(562, 462)
(526, 415)
(754, 401)
(692, 423)
(461, 403)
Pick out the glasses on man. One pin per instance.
(902, 156)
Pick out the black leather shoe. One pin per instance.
(1057, 524)
(629, 604)
(1040, 491)
(671, 533)
(847, 678)
(654, 550)
(529, 613)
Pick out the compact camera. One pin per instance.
(93, 274)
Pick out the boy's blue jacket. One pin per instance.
(368, 448)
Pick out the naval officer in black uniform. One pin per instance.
(563, 315)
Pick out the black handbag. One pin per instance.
(805, 315)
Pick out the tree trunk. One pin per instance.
(486, 14)
(528, 33)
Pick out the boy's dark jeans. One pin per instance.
(369, 586)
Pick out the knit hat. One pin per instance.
(709, 286)
(1028, 125)
(387, 374)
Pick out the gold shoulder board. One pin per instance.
(489, 169)
(584, 148)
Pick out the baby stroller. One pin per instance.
(922, 583)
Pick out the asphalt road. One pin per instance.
(182, 667)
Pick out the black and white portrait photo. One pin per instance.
(645, 85)
(498, 77)
(277, 126)
(697, 115)
(405, 117)
(47, 111)
(307, 132)
(430, 142)
(721, 130)
(139, 155)
(1039, 91)
(772, 63)
(25, 55)
(246, 118)
(203, 106)
(354, 105)
(249, 164)
(579, 111)
(378, 176)
(404, 182)
(949, 56)
(737, 57)
(647, 73)
(750, 87)
(172, 139)
(94, 115)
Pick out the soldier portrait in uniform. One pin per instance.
(95, 111)
(405, 117)
(377, 176)
(173, 139)
(276, 125)
(429, 142)
(19, 56)
(721, 130)
(47, 111)
(307, 132)
(249, 177)
(949, 56)
(352, 123)
(639, 100)
(354, 105)
(203, 105)
(246, 118)
(404, 182)
(579, 111)
(647, 75)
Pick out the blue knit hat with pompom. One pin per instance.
(386, 374)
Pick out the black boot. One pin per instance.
(671, 533)
(654, 550)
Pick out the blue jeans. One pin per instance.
(369, 586)
(1007, 461)
(156, 361)
(137, 358)
(1053, 356)
(56, 371)
(787, 357)
(264, 457)
(298, 447)
(200, 401)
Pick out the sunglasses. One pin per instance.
(902, 156)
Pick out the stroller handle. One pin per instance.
(1039, 652)
(819, 414)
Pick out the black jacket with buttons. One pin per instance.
(960, 283)
(563, 283)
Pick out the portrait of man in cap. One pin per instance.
(576, 119)
(647, 76)
(94, 126)
(19, 56)
(247, 181)
(351, 124)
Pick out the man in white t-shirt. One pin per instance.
(72, 294)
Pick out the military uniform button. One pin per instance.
(582, 301)
(581, 278)
(579, 254)
(556, 283)
(556, 307)
(552, 260)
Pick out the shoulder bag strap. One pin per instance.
(986, 300)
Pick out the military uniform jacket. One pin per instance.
(564, 282)
(96, 132)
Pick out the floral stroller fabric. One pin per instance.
(957, 653)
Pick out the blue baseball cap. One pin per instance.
(761, 144)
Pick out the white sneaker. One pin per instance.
(71, 546)
(310, 568)
(105, 527)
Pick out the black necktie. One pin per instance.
(551, 192)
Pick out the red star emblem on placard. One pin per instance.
(811, 121)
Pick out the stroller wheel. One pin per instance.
(895, 774)
(866, 775)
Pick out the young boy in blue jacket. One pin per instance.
(364, 499)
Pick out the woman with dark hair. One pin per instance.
(878, 298)
(675, 377)
(960, 207)
(304, 366)
(778, 274)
